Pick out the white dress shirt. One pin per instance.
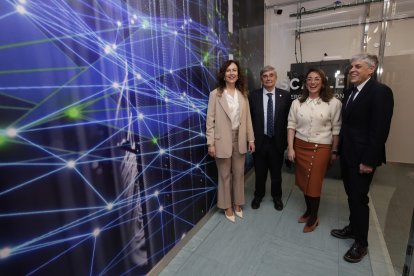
(234, 106)
(360, 88)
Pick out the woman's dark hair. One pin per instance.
(325, 94)
(240, 83)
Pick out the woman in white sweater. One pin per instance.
(313, 127)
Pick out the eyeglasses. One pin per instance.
(315, 79)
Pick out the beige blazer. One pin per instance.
(218, 125)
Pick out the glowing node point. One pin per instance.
(201, 63)
(193, 105)
(197, 165)
(5, 252)
(96, 232)
(206, 57)
(71, 164)
(132, 21)
(154, 140)
(145, 24)
(22, 1)
(166, 100)
(140, 116)
(184, 94)
(11, 132)
(175, 33)
(171, 71)
(156, 193)
(110, 206)
(108, 49)
(114, 46)
(119, 23)
(138, 76)
(161, 209)
(202, 134)
(73, 112)
(21, 9)
(162, 151)
(135, 16)
(115, 85)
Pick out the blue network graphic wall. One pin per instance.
(103, 164)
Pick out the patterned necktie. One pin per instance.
(270, 115)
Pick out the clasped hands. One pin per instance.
(212, 149)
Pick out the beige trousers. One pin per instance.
(231, 177)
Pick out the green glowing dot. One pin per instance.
(154, 140)
(2, 140)
(73, 113)
(205, 58)
(163, 92)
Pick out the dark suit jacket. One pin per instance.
(282, 106)
(366, 124)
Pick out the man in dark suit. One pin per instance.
(269, 108)
(366, 117)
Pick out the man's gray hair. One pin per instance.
(371, 60)
(267, 68)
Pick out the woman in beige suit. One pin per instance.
(229, 135)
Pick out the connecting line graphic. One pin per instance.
(41, 148)
(44, 212)
(22, 247)
(19, 186)
(58, 256)
(91, 186)
(59, 111)
(93, 255)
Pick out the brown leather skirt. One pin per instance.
(311, 163)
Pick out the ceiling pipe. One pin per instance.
(337, 5)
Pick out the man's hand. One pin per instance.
(365, 169)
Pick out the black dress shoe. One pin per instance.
(356, 253)
(278, 204)
(345, 233)
(256, 203)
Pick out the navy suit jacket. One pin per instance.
(282, 106)
(366, 124)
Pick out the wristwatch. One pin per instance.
(334, 152)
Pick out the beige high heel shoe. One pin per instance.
(239, 213)
(231, 218)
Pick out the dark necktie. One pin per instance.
(351, 97)
(270, 115)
